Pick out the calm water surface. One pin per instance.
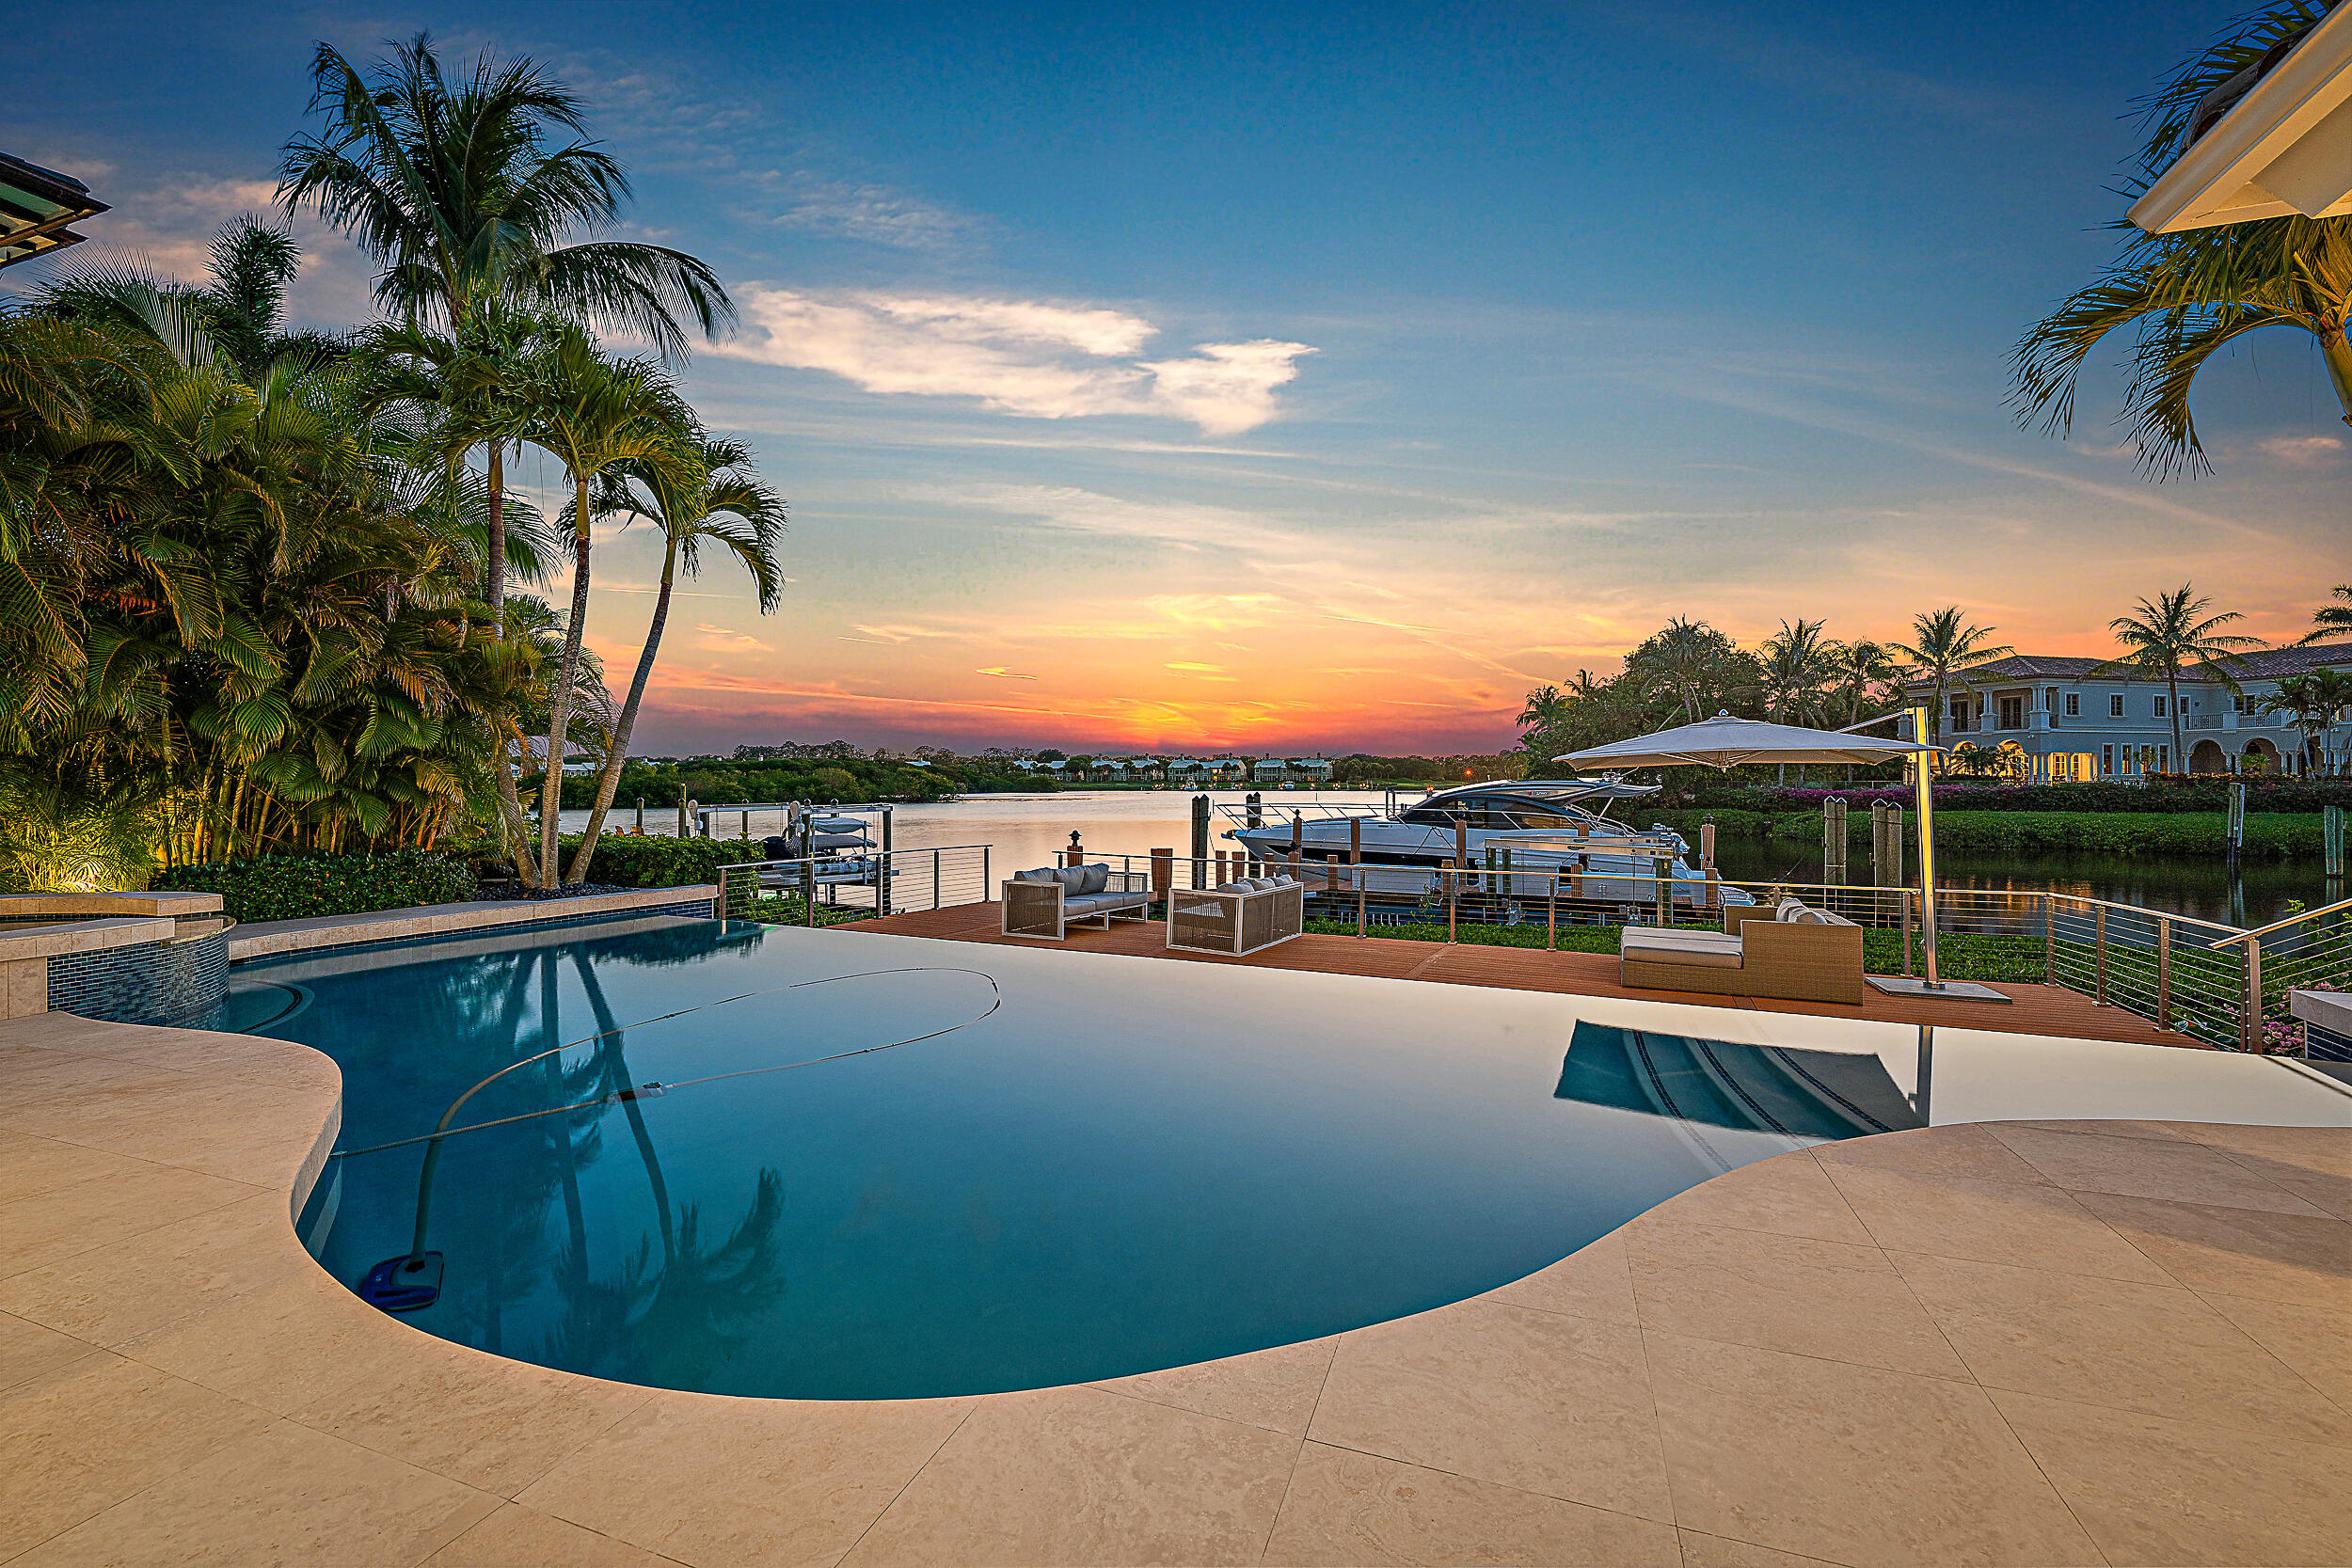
(1029, 829)
(1096, 1172)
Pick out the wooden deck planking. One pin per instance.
(2033, 1009)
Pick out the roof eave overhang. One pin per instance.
(2285, 148)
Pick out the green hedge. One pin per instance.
(2205, 793)
(2275, 836)
(294, 887)
(1960, 956)
(626, 860)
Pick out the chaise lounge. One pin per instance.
(1793, 953)
(1044, 902)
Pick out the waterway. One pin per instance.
(1029, 830)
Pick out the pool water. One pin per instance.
(1095, 1166)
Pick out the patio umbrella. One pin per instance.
(1726, 742)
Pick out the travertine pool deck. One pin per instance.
(2032, 1343)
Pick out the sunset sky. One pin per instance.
(1318, 378)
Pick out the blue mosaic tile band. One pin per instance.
(147, 982)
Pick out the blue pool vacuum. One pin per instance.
(404, 1284)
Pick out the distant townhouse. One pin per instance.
(2067, 722)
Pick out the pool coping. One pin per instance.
(198, 1382)
(273, 938)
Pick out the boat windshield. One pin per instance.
(1548, 803)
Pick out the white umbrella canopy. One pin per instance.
(1723, 741)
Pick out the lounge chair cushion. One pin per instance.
(1093, 878)
(1790, 909)
(1039, 874)
(1703, 949)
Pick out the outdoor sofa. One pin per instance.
(1044, 902)
(1793, 953)
(1239, 917)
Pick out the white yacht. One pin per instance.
(1519, 835)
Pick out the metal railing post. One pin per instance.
(2049, 938)
(934, 879)
(1453, 892)
(2164, 973)
(1551, 915)
(1906, 895)
(2102, 942)
(808, 892)
(2250, 1025)
(1662, 871)
(719, 903)
(987, 886)
(1355, 869)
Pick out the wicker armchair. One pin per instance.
(1806, 956)
(1237, 918)
(1046, 902)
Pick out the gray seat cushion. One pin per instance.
(1076, 905)
(1040, 874)
(1097, 878)
(1704, 949)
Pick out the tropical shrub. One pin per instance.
(296, 887)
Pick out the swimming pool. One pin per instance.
(1093, 1167)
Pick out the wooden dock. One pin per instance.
(2033, 1009)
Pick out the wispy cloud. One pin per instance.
(1004, 675)
(2304, 451)
(873, 215)
(899, 633)
(729, 638)
(1036, 358)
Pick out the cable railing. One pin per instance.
(2221, 985)
(833, 890)
(2215, 983)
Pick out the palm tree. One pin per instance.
(594, 415)
(454, 193)
(1796, 667)
(2311, 702)
(716, 498)
(1695, 664)
(465, 392)
(1946, 649)
(2190, 294)
(2330, 619)
(1859, 672)
(2166, 637)
(458, 195)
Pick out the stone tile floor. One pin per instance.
(2071, 1342)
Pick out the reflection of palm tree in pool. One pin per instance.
(702, 1301)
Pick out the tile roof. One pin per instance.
(2254, 664)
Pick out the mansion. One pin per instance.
(2068, 722)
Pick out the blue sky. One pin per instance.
(1302, 377)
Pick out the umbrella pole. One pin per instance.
(1923, 780)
